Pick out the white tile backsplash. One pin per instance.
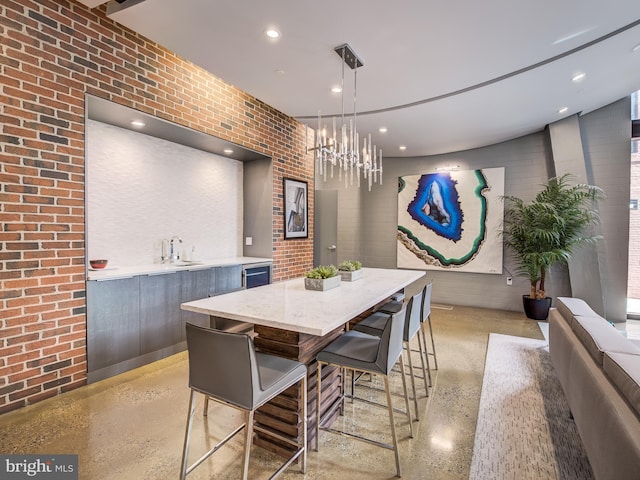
(141, 189)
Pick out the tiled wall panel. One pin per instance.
(141, 189)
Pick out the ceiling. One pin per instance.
(441, 76)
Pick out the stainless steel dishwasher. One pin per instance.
(255, 275)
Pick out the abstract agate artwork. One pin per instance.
(451, 221)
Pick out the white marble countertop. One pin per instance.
(289, 306)
(115, 272)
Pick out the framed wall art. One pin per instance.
(451, 221)
(296, 211)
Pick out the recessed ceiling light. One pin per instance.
(336, 89)
(578, 77)
(228, 151)
(272, 33)
(137, 123)
(383, 130)
(563, 110)
(403, 147)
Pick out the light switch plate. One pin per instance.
(248, 240)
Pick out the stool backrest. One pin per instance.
(426, 301)
(390, 347)
(413, 319)
(222, 365)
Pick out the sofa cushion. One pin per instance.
(624, 371)
(569, 307)
(598, 336)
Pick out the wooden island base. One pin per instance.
(283, 413)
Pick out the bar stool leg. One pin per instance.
(406, 395)
(248, 440)
(304, 424)
(433, 345)
(426, 351)
(205, 410)
(343, 382)
(413, 380)
(423, 354)
(393, 426)
(187, 435)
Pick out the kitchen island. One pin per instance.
(296, 323)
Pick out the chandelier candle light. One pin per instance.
(344, 151)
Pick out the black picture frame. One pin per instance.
(296, 209)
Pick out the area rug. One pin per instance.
(524, 429)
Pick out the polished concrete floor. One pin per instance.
(132, 426)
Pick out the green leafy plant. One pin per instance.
(548, 229)
(350, 265)
(322, 271)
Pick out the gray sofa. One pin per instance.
(599, 370)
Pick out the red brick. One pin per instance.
(24, 375)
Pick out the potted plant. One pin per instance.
(322, 277)
(350, 270)
(546, 231)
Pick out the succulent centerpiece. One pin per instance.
(350, 270)
(322, 277)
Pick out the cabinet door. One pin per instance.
(160, 314)
(196, 284)
(113, 327)
(228, 278)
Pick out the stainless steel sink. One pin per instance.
(184, 263)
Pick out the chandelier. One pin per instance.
(341, 150)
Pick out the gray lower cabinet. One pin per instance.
(197, 284)
(160, 314)
(228, 278)
(130, 319)
(113, 322)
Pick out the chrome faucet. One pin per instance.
(165, 248)
(174, 253)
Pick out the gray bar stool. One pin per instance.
(357, 351)
(373, 325)
(225, 367)
(394, 305)
(426, 318)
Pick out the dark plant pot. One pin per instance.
(536, 309)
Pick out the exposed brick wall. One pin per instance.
(53, 53)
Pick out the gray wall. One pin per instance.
(606, 137)
(258, 214)
(367, 221)
(569, 158)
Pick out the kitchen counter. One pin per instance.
(115, 272)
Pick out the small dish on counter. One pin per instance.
(98, 264)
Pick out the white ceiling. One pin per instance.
(442, 76)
